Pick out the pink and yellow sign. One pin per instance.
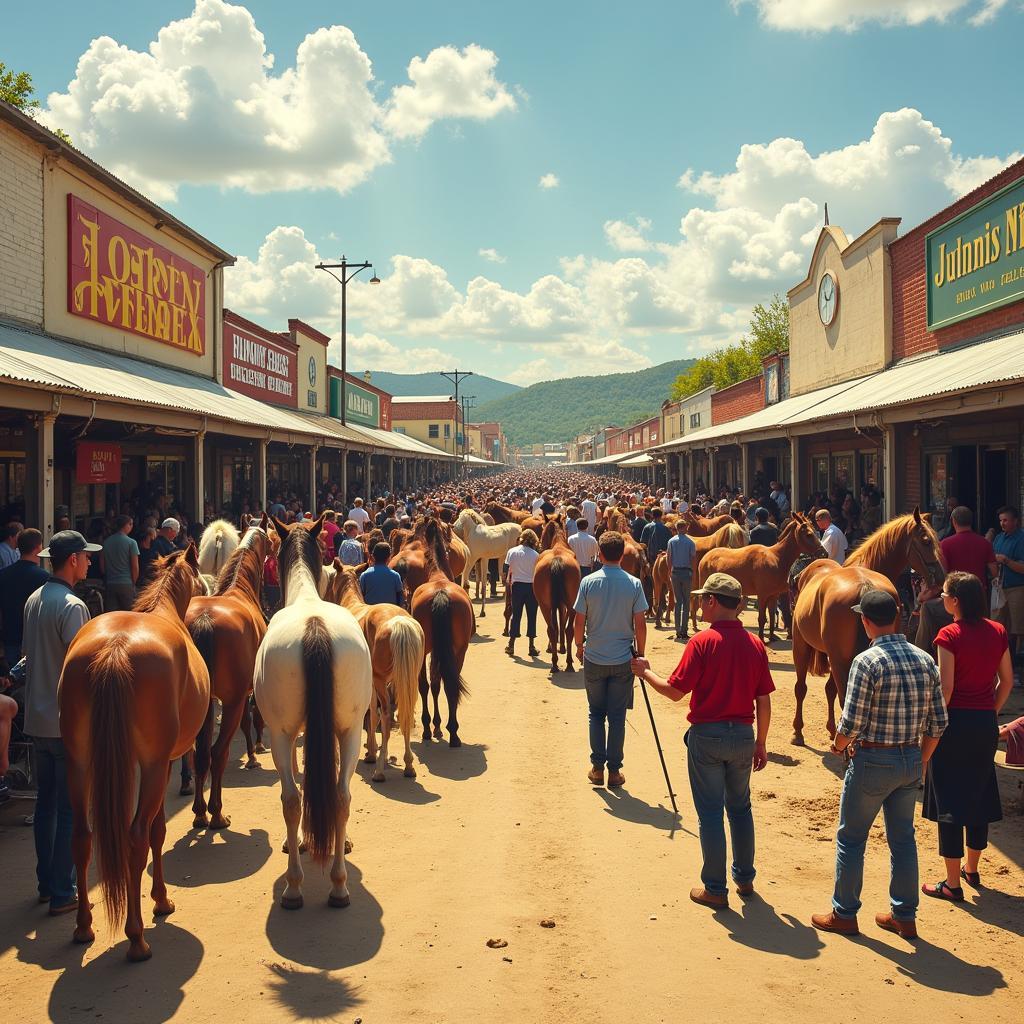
(121, 278)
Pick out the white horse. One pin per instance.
(484, 542)
(313, 675)
(218, 544)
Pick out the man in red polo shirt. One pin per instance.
(725, 669)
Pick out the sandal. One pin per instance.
(972, 878)
(943, 891)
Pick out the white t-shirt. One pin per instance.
(360, 516)
(521, 562)
(834, 541)
(666, 504)
(536, 504)
(585, 547)
(589, 510)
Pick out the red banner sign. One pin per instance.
(119, 277)
(97, 462)
(258, 366)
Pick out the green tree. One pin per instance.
(769, 328)
(17, 89)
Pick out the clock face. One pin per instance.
(828, 298)
(312, 371)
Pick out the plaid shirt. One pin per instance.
(893, 694)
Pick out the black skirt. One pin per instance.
(960, 787)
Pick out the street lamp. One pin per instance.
(344, 266)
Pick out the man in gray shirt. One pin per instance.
(120, 566)
(610, 609)
(53, 617)
(681, 552)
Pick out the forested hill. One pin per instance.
(557, 410)
(486, 389)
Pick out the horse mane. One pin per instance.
(471, 513)
(244, 569)
(212, 542)
(300, 546)
(435, 549)
(170, 585)
(553, 530)
(878, 548)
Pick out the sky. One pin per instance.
(544, 190)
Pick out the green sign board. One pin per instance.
(976, 262)
(361, 405)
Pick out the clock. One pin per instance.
(312, 371)
(828, 298)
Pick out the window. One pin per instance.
(432, 430)
(447, 431)
(399, 430)
(694, 420)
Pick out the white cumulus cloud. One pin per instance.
(549, 180)
(491, 255)
(626, 237)
(850, 15)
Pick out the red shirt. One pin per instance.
(977, 649)
(723, 668)
(968, 552)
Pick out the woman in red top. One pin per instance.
(961, 793)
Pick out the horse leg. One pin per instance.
(152, 783)
(385, 734)
(552, 623)
(773, 618)
(373, 719)
(424, 692)
(257, 721)
(229, 719)
(435, 690)
(453, 710)
(79, 793)
(249, 711)
(567, 638)
(202, 767)
(282, 748)
(839, 669)
(162, 906)
(348, 743)
(801, 662)
(481, 586)
(508, 611)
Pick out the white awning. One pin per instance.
(636, 460)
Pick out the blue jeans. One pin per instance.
(886, 780)
(682, 582)
(55, 867)
(719, 764)
(609, 693)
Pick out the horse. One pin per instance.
(634, 555)
(484, 542)
(395, 640)
(458, 550)
(661, 583)
(227, 628)
(827, 634)
(133, 694)
(313, 674)
(445, 613)
(503, 514)
(415, 557)
(730, 535)
(699, 526)
(556, 582)
(763, 572)
(219, 541)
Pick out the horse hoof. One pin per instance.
(251, 764)
(348, 845)
(427, 737)
(220, 821)
(369, 758)
(483, 614)
(291, 902)
(410, 772)
(200, 821)
(259, 749)
(378, 777)
(504, 632)
(438, 735)
(284, 847)
(139, 952)
(455, 742)
(187, 789)
(84, 935)
(163, 909)
(798, 739)
(338, 901)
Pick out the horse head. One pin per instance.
(924, 551)
(807, 541)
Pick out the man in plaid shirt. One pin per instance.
(891, 723)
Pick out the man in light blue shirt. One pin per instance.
(379, 584)
(681, 552)
(610, 610)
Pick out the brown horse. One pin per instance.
(661, 581)
(727, 536)
(827, 635)
(504, 514)
(763, 572)
(445, 614)
(417, 556)
(556, 582)
(698, 526)
(395, 640)
(634, 555)
(227, 628)
(132, 695)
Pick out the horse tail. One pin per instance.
(443, 634)
(819, 663)
(406, 657)
(320, 785)
(556, 569)
(113, 765)
(202, 632)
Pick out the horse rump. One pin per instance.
(320, 784)
(443, 653)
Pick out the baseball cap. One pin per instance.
(68, 542)
(722, 585)
(877, 606)
(170, 523)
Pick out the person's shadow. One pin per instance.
(622, 804)
(759, 927)
(937, 968)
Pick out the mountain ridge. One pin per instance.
(486, 389)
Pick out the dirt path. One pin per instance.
(486, 842)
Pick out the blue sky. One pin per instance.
(887, 106)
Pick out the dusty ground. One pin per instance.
(494, 837)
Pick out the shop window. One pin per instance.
(869, 469)
(842, 471)
(164, 474)
(399, 430)
(433, 431)
(819, 473)
(13, 471)
(447, 431)
(937, 472)
(694, 419)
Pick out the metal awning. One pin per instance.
(636, 460)
(398, 442)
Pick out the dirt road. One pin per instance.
(485, 843)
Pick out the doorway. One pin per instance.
(995, 486)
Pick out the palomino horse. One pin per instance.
(445, 613)
(395, 640)
(826, 633)
(218, 543)
(556, 582)
(484, 542)
(313, 675)
(227, 628)
(763, 572)
(133, 693)
(728, 536)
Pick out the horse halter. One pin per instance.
(934, 573)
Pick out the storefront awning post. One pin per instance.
(344, 477)
(199, 478)
(313, 449)
(44, 478)
(795, 484)
(261, 473)
(745, 467)
(889, 472)
(368, 476)
(391, 475)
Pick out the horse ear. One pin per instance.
(917, 514)
(192, 555)
(264, 522)
(318, 525)
(282, 530)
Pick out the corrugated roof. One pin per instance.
(637, 460)
(399, 442)
(406, 399)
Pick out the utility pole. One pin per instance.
(456, 377)
(468, 401)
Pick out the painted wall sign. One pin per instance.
(259, 367)
(975, 262)
(97, 462)
(361, 405)
(119, 277)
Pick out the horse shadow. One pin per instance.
(397, 787)
(101, 987)
(200, 858)
(321, 937)
(623, 805)
(310, 995)
(758, 926)
(569, 680)
(783, 759)
(466, 762)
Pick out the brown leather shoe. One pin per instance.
(596, 776)
(832, 922)
(708, 899)
(616, 779)
(745, 889)
(904, 929)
